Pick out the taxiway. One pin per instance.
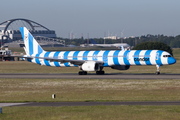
(58, 104)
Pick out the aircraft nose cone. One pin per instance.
(171, 60)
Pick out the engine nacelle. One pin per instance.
(121, 67)
(90, 66)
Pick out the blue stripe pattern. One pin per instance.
(126, 57)
(66, 57)
(40, 50)
(75, 56)
(147, 55)
(158, 61)
(37, 59)
(22, 33)
(115, 57)
(46, 61)
(30, 44)
(85, 55)
(105, 58)
(95, 55)
(171, 60)
(29, 60)
(136, 56)
(56, 56)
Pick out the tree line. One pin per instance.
(173, 42)
(153, 46)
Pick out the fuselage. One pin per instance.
(93, 60)
(109, 57)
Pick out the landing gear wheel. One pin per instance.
(158, 70)
(100, 72)
(82, 73)
(157, 73)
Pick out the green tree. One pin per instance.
(153, 46)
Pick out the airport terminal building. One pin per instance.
(13, 35)
(10, 34)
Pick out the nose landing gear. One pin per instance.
(158, 70)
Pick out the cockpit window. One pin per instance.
(166, 55)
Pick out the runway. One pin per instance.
(89, 76)
(58, 104)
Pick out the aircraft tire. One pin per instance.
(82, 73)
(100, 72)
(157, 73)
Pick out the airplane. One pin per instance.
(93, 60)
(94, 43)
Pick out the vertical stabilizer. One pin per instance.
(31, 45)
(122, 47)
(93, 42)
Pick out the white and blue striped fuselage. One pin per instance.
(109, 57)
(93, 60)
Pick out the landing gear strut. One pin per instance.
(158, 70)
(82, 73)
(101, 72)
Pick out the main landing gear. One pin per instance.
(82, 73)
(158, 70)
(97, 72)
(100, 72)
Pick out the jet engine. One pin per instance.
(121, 67)
(90, 66)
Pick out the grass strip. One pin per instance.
(41, 90)
(92, 113)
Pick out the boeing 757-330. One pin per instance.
(93, 60)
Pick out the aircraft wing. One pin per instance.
(76, 62)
